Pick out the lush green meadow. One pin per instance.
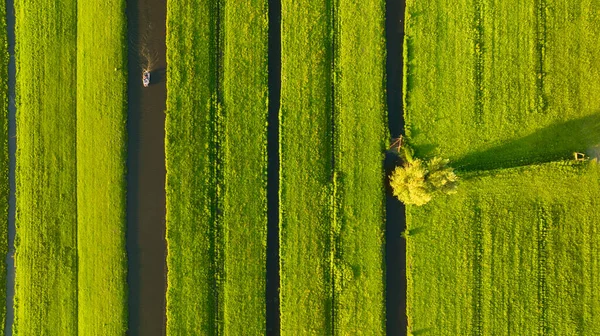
(306, 169)
(360, 137)
(216, 167)
(101, 154)
(331, 143)
(504, 85)
(243, 140)
(4, 158)
(46, 168)
(513, 253)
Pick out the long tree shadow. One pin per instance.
(555, 142)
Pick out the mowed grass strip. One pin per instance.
(191, 191)
(306, 188)
(244, 36)
(101, 156)
(46, 170)
(360, 135)
(4, 156)
(512, 253)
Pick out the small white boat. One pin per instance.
(146, 78)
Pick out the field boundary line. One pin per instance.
(218, 236)
(542, 256)
(477, 276)
(334, 229)
(479, 63)
(540, 17)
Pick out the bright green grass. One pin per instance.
(306, 189)
(46, 195)
(527, 96)
(190, 162)
(101, 140)
(4, 158)
(243, 140)
(216, 166)
(513, 253)
(360, 137)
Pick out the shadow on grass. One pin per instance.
(555, 142)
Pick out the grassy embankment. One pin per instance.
(4, 158)
(216, 165)
(46, 170)
(101, 155)
(360, 135)
(306, 188)
(526, 235)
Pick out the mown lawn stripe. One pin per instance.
(46, 171)
(101, 156)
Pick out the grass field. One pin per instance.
(504, 85)
(101, 155)
(306, 155)
(360, 136)
(190, 159)
(510, 254)
(525, 80)
(46, 170)
(4, 165)
(243, 140)
(216, 167)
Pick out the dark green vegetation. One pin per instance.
(101, 139)
(496, 85)
(332, 139)
(216, 167)
(70, 252)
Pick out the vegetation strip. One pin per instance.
(4, 158)
(101, 156)
(359, 139)
(306, 187)
(46, 169)
(216, 167)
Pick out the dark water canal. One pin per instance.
(146, 246)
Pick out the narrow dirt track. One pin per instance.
(146, 246)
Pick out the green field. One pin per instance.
(46, 168)
(4, 158)
(101, 156)
(360, 138)
(216, 167)
(513, 253)
(331, 143)
(306, 155)
(500, 85)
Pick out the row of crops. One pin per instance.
(501, 88)
(332, 136)
(70, 167)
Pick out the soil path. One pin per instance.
(12, 148)
(146, 246)
(395, 249)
